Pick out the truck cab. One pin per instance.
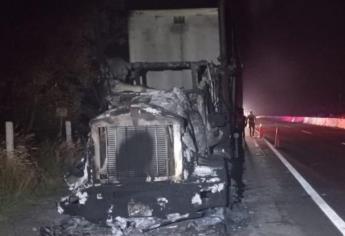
(155, 153)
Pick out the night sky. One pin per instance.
(293, 51)
(293, 54)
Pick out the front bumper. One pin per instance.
(156, 199)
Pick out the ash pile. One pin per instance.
(210, 222)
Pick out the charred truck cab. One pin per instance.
(167, 144)
(156, 153)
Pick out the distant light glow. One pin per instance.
(247, 109)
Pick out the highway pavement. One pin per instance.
(317, 153)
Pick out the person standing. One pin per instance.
(251, 121)
(245, 121)
(241, 121)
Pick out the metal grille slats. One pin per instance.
(162, 151)
(111, 152)
(137, 152)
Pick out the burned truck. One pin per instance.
(167, 144)
(160, 154)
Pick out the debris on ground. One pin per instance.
(217, 221)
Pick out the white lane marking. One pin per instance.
(343, 143)
(320, 202)
(306, 132)
(259, 151)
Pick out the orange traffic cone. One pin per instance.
(261, 131)
(276, 138)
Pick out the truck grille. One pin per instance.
(138, 152)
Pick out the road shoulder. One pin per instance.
(29, 217)
(276, 203)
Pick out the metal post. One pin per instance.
(68, 133)
(222, 31)
(237, 148)
(223, 52)
(276, 138)
(9, 139)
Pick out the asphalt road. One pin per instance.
(318, 154)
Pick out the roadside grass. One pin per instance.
(34, 172)
(18, 177)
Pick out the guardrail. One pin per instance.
(327, 122)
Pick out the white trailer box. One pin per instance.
(173, 35)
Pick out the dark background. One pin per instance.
(292, 54)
